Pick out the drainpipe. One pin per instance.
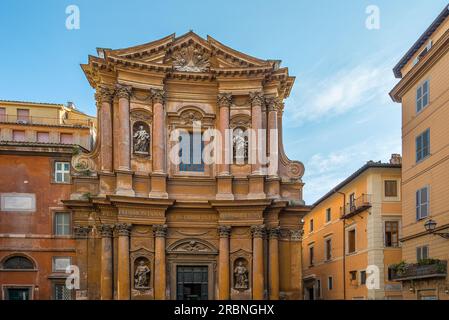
(344, 242)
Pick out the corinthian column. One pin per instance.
(296, 269)
(124, 160)
(273, 267)
(257, 101)
(223, 263)
(158, 97)
(160, 232)
(224, 102)
(158, 177)
(104, 96)
(123, 276)
(258, 233)
(106, 262)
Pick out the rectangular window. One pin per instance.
(61, 292)
(422, 203)
(351, 241)
(353, 275)
(311, 256)
(328, 215)
(422, 253)
(422, 96)
(2, 114)
(23, 115)
(328, 248)
(18, 135)
(311, 225)
(66, 138)
(330, 283)
(391, 188)
(61, 263)
(62, 223)
(391, 233)
(43, 137)
(363, 277)
(191, 152)
(423, 145)
(62, 172)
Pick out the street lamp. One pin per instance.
(430, 227)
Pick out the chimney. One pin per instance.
(396, 158)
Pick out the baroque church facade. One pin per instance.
(148, 228)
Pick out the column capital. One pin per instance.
(157, 96)
(256, 98)
(160, 230)
(224, 99)
(273, 233)
(123, 92)
(104, 94)
(273, 104)
(296, 235)
(224, 231)
(105, 230)
(258, 231)
(123, 229)
(81, 232)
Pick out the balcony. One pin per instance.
(428, 268)
(42, 121)
(358, 205)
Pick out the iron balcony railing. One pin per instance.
(429, 268)
(4, 118)
(357, 205)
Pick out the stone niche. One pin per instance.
(142, 274)
(241, 275)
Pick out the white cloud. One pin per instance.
(342, 92)
(325, 171)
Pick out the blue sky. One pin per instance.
(339, 114)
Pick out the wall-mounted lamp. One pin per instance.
(430, 227)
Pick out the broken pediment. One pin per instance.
(192, 246)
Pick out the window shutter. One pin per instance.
(418, 204)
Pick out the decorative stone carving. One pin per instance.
(81, 232)
(105, 230)
(142, 274)
(224, 100)
(141, 138)
(296, 235)
(123, 91)
(140, 116)
(295, 170)
(241, 274)
(191, 59)
(160, 230)
(224, 231)
(104, 94)
(190, 116)
(258, 231)
(123, 229)
(191, 246)
(158, 96)
(274, 233)
(273, 104)
(83, 163)
(256, 98)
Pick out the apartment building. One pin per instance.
(423, 91)
(351, 236)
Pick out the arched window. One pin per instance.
(18, 263)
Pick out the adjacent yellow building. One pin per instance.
(423, 90)
(25, 122)
(351, 236)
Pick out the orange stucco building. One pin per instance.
(423, 92)
(352, 234)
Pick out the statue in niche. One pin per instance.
(141, 138)
(142, 276)
(240, 276)
(240, 146)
